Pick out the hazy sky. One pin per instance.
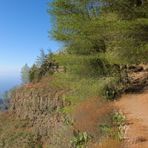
(24, 26)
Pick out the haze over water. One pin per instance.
(9, 81)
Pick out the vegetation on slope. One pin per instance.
(102, 39)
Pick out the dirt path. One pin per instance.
(135, 107)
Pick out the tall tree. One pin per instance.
(112, 29)
(99, 34)
(76, 25)
(127, 32)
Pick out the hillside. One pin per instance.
(34, 119)
(38, 118)
(41, 116)
(93, 90)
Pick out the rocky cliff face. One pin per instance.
(28, 103)
(38, 108)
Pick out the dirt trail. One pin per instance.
(135, 108)
(89, 114)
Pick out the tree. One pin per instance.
(25, 74)
(114, 30)
(48, 66)
(127, 41)
(102, 38)
(79, 27)
(40, 59)
(33, 73)
(76, 25)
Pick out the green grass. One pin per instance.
(78, 89)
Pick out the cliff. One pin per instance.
(35, 118)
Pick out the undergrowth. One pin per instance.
(80, 139)
(82, 88)
(115, 128)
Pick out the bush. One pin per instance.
(114, 128)
(80, 139)
(111, 92)
(82, 65)
(110, 88)
(118, 119)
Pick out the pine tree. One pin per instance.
(76, 25)
(127, 34)
(109, 32)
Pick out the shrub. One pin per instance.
(105, 129)
(80, 139)
(118, 122)
(115, 127)
(110, 88)
(111, 92)
(118, 119)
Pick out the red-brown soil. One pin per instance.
(89, 114)
(135, 108)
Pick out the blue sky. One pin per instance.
(24, 26)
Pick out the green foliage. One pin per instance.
(47, 66)
(74, 26)
(81, 35)
(128, 9)
(115, 127)
(115, 29)
(118, 119)
(100, 37)
(82, 65)
(25, 74)
(118, 122)
(40, 59)
(34, 73)
(111, 91)
(105, 129)
(78, 88)
(68, 120)
(110, 88)
(80, 139)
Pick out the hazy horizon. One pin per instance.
(8, 82)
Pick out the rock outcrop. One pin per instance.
(138, 78)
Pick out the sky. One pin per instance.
(24, 26)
